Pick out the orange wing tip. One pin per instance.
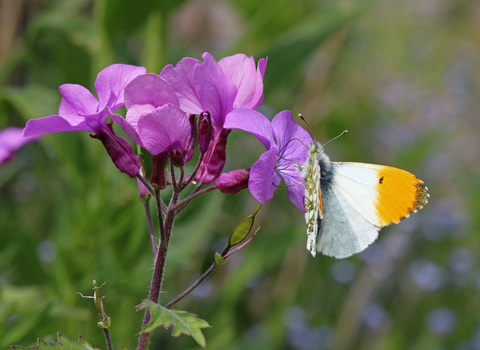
(399, 194)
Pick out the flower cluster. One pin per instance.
(192, 103)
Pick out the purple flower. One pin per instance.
(217, 88)
(11, 139)
(159, 125)
(80, 110)
(287, 147)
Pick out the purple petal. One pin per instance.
(263, 179)
(241, 69)
(296, 186)
(128, 128)
(215, 90)
(76, 102)
(149, 89)
(253, 122)
(180, 79)
(164, 129)
(257, 97)
(135, 112)
(292, 140)
(112, 80)
(53, 123)
(11, 139)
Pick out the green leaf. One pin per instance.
(122, 347)
(182, 321)
(63, 343)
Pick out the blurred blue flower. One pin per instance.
(343, 271)
(441, 320)
(427, 275)
(375, 317)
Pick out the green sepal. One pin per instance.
(182, 321)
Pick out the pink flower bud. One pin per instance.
(214, 159)
(204, 131)
(120, 150)
(234, 181)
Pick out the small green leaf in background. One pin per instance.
(63, 343)
(122, 347)
(182, 321)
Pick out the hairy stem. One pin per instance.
(156, 285)
(106, 333)
(150, 227)
(147, 185)
(183, 203)
(192, 175)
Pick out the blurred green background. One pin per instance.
(401, 76)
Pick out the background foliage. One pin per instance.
(401, 76)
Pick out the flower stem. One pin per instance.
(147, 185)
(183, 203)
(159, 267)
(158, 200)
(174, 181)
(108, 339)
(193, 286)
(192, 175)
(150, 227)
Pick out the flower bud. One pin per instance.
(204, 131)
(159, 166)
(120, 150)
(234, 181)
(214, 159)
(189, 144)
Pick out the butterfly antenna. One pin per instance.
(343, 132)
(308, 126)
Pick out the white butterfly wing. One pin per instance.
(362, 198)
(344, 231)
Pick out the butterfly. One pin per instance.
(346, 203)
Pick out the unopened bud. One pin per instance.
(233, 181)
(214, 159)
(204, 131)
(119, 150)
